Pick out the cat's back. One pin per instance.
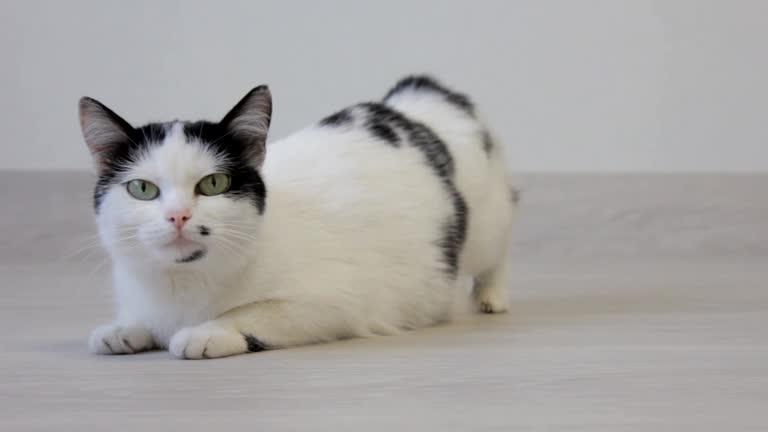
(368, 153)
(418, 127)
(418, 165)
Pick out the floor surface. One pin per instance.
(639, 303)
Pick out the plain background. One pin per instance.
(637, 86)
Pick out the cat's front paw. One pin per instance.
(119, 339)
(206, 341)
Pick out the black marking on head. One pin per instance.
(416, 83)
(254, 345)
(194, 256)
(487, 142)
(246, 181)
(338, 119)
(121, 155)
(204, 230)
(239, 138)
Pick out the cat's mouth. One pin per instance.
(187, 250)
(182, 243)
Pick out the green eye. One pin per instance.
(214, 184)
(143, 190)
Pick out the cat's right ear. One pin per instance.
(103, 130)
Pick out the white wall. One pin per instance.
(569, 85)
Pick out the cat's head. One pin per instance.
(179, 193)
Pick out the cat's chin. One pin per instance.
(193, 256)
(183, 251)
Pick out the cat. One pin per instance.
(368, 222)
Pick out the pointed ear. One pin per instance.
(248, 123)
(103, 130)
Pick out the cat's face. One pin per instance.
(179, 193)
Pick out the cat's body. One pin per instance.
(369, 222)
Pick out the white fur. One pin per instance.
(345, 247)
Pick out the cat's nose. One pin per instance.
(179, 217)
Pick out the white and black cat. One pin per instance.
(366, 223)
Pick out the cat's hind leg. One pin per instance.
(491, 289)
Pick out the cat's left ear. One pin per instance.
(248, 122)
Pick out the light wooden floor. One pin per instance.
(640, 303)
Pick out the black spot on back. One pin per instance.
(438, 157)
(384, 132)
(246, 181)
(514, 195)
(487, 142)
(340, 118)
(427, 83)
(385, 123)
(455, 231)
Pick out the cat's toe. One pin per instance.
(489, 308)
(117, 339)
(491, 304)
(207, 341)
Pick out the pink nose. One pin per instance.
(179, 217)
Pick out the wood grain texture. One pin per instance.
(639, 303)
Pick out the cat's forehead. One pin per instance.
(175, 154)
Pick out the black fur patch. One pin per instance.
(125, 153)
(383, 122)
(514, 195)
(380, 121)
(487, 142)
(439, 159)
(427, 83)
(384, 132)
(194, 256)
(204, 230)
(254, 345)
(340, 118)
(246, 181)
(455, 231)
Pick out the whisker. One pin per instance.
(237, 234)
(228, 248)
(240, 249)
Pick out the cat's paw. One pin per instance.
(491, 307)
(119, 339)
(492, 301)
(206, 341)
